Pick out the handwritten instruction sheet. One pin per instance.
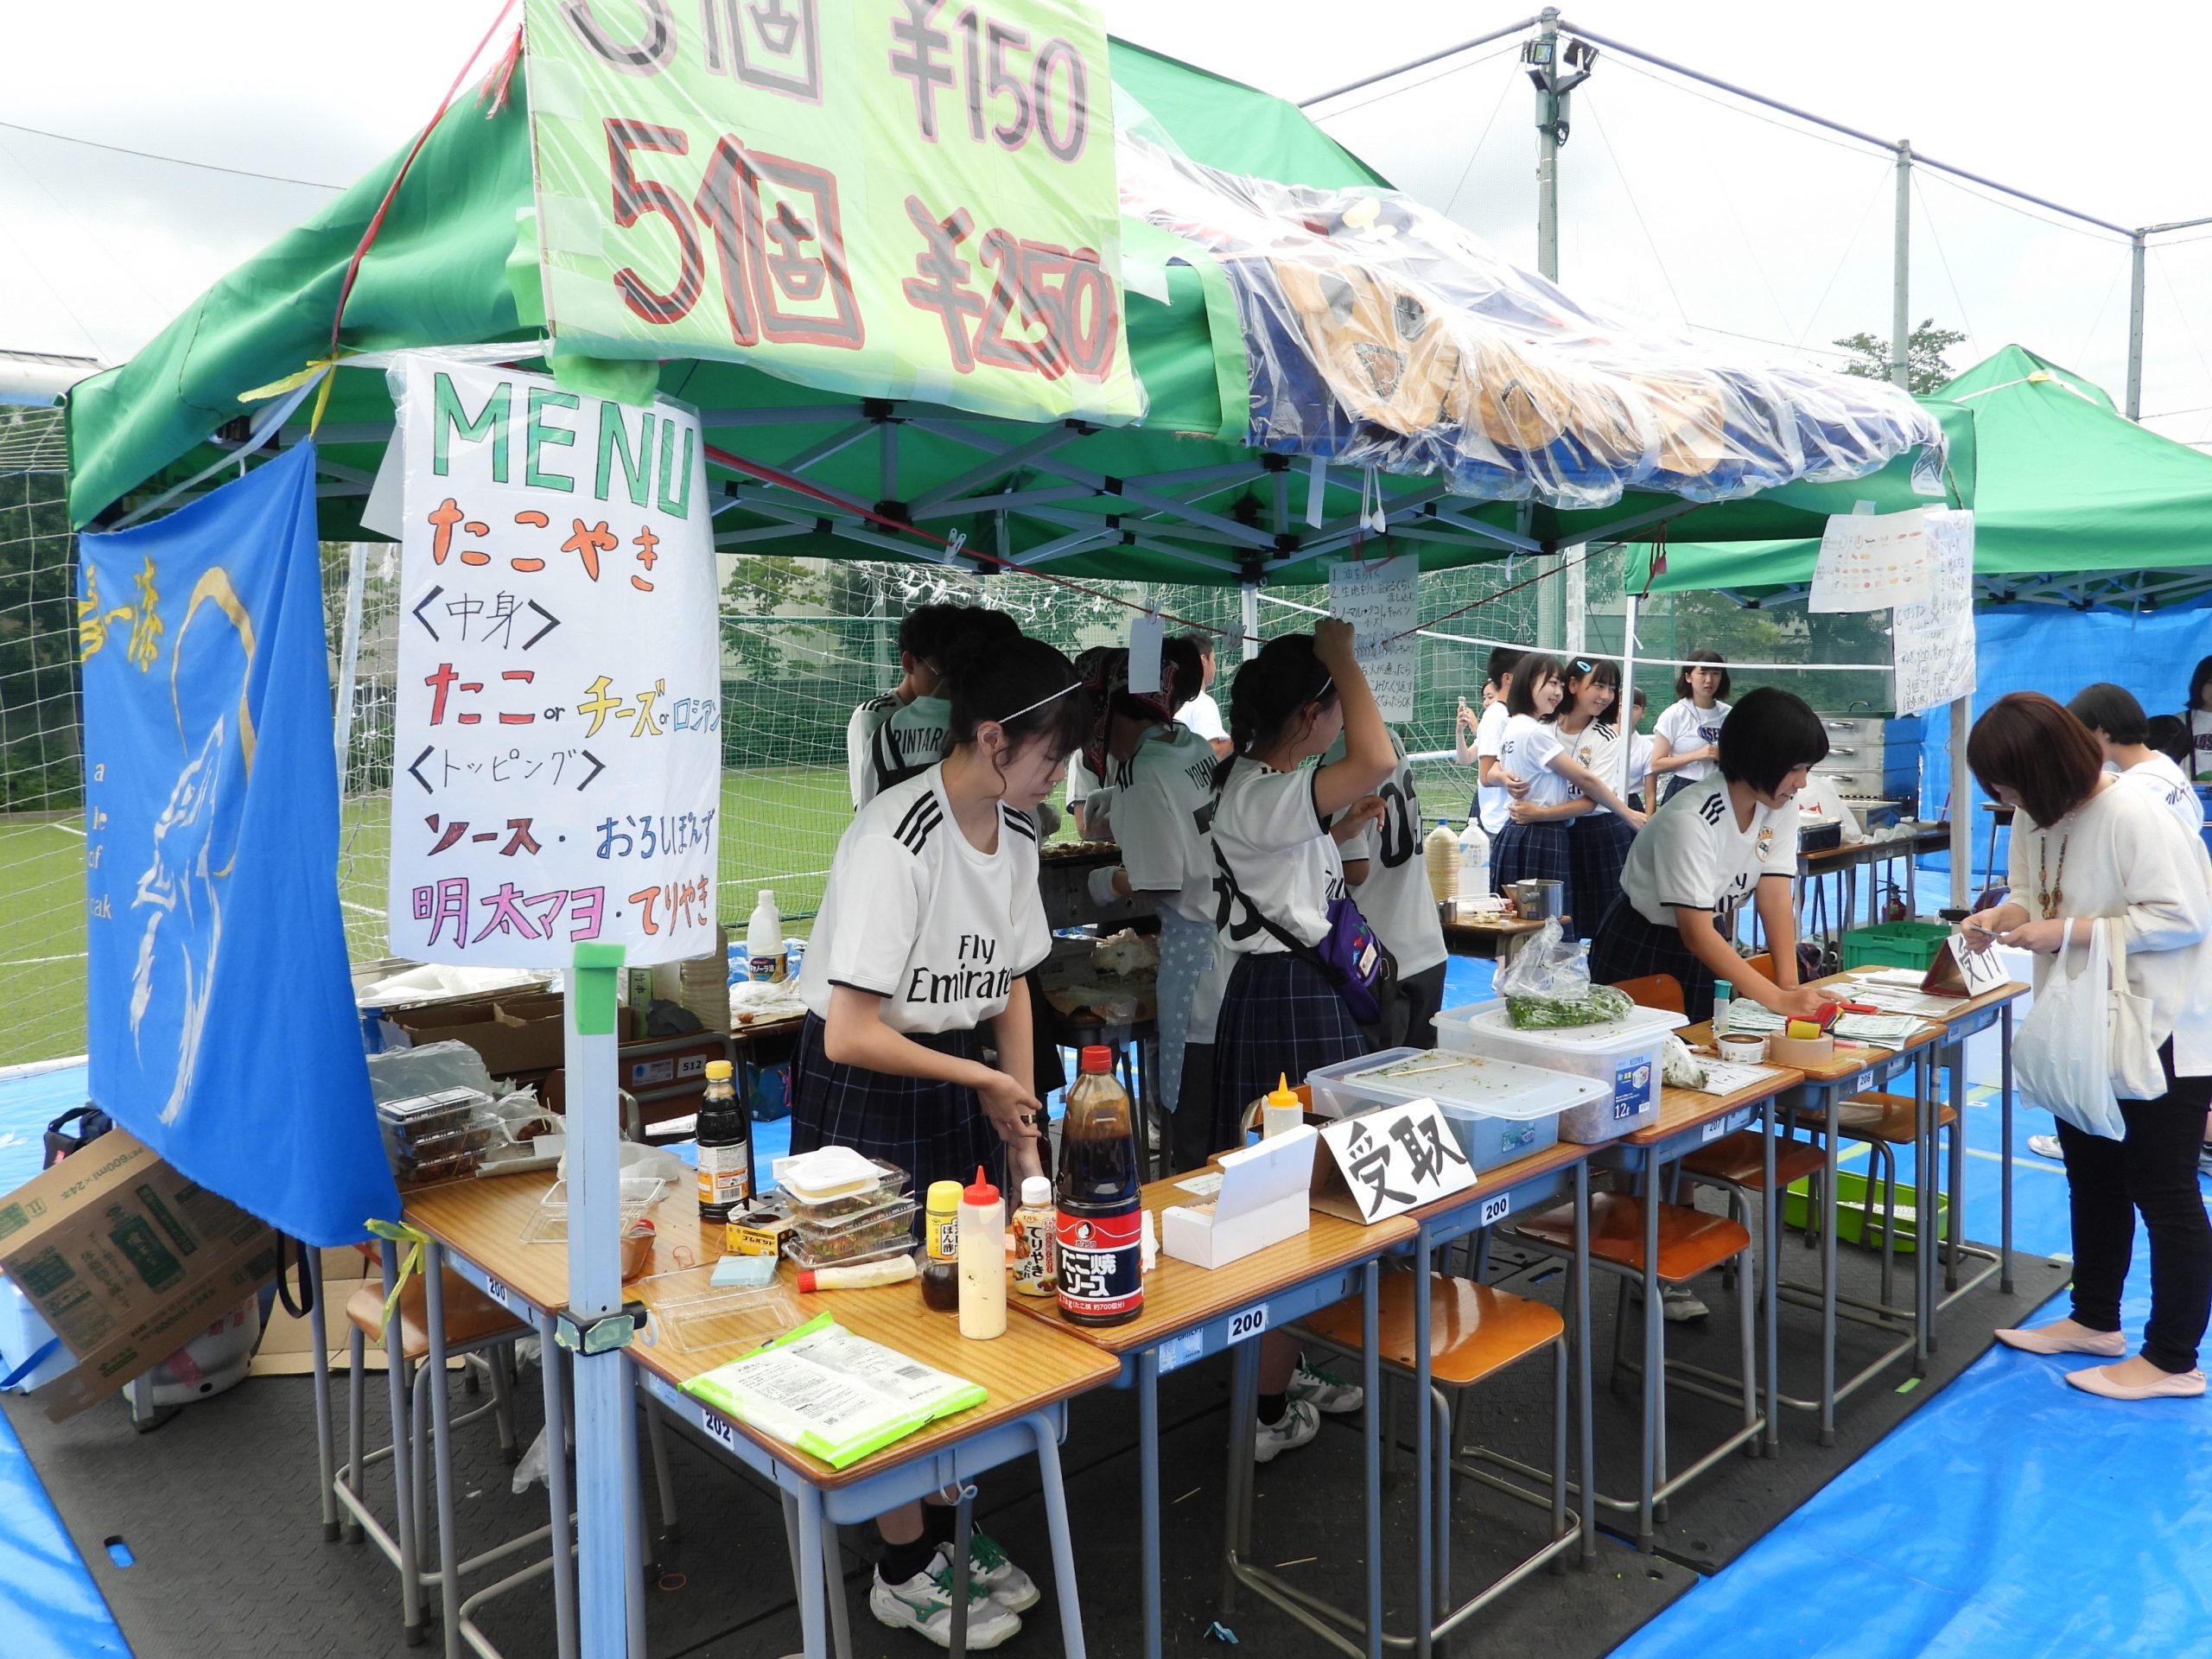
(1932, 638)
(557, 750)
(1380, 599)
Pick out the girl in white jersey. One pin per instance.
(930, 920)
(1277, 863)
(2198, 715)
(1685, 743)
(1714, 847)
(1533, 846)
(1597, 838)
(1162, 815)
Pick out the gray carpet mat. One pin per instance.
(217, 1508)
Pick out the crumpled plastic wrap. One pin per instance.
(1380, 334)
(1547, 985)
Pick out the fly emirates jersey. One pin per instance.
(916, 915)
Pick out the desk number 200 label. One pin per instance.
(1495, 1209)
(1248, 1323)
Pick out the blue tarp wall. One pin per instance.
(2058, 651)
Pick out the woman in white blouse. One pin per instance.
(2085, 847)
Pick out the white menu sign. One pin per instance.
(1380, 599)
(1932, 640)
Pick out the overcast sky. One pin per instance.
(1682, 204)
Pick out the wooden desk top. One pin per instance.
(1030, 1366)
(1560, 1154)
(1850, 1059)
(1178, 1296)
(1685, 1109)
(1920, 841)
(1497, 927)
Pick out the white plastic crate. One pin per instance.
(1622, 1054)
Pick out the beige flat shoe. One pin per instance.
(2047, 1339)
(2174, 1385)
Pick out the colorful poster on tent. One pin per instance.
(220, 1020)
(556, 756)
(886, 197)
(1870, 562)
(1932, 642)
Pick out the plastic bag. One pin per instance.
(531, 1472)
(1678, 1067)
(426, 1069)
(2063, 1057)
(1547, 985)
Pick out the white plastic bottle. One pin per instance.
(1474, 863)
(764, 941)
(983, 1261)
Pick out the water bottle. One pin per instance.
(1474, 863)
(764, 941)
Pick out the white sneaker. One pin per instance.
(1677, 1303)
(2046, 1146)
(1006, 1584)
(1324, 1390)
(1299, 1423)
(924, 1604)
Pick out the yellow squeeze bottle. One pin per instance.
(1281, 1111)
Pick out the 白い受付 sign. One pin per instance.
(901, 198)
(556, 757)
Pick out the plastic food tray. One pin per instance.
(1623, 1055)
(856, 1236)
(548, 1223)
(691, 1319)
(891, 1184)
(799, 1256)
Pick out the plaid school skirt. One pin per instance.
(1279, 1017)
(934, 1131)
(1597, 844)
(1627, 946)
(1534, 852)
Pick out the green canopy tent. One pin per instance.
(1179, 497)
(2073, 505)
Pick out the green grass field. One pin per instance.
(779, 830)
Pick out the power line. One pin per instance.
(1467, 171)
(1413, 86)
(1849, 248)
(1936, 237)
(173, 161)
(1635, 207)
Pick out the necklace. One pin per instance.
(2050, 888)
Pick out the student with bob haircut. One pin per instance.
(2123, 730)
(1708, 850)
(1685, 739)
(2087, 848)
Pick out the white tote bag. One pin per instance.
(2064, 1056)
(2136, 1073)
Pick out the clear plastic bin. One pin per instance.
(799, 1256)
(1499, 1110)
(690, 1319)
(856, 1237)
(1622, 1054)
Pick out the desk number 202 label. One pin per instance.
(1248, 1323)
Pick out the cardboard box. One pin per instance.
(1262, 1201)
(517, 1035)
(128, 1261)
(288, 1343)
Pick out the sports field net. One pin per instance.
(803, 641)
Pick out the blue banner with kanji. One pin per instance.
(221, 1029)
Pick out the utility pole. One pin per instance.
(1901, 277)
(1542, 58)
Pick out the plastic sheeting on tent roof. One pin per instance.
(2075, 504)
(1184, 496)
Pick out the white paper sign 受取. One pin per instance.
(1932, 640)
(558, 748)
(1870, 562)
(1398, 1158)
(1380, 600)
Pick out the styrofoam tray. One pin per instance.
(1493, 1088)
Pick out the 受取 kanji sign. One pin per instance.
(1397, 1158)
(902, 198)
(558, 751)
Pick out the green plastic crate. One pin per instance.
(1895, 945)
(1851, 1214)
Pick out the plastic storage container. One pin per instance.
(1499, 1110)
(857, 1237)
(437, 1137)
(1895, 945)
(1623, 1055)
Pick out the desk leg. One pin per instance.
(1371, 1379)
(558, 1497)
(1056, 1521)
(1427, 1548)
(325, 1445)
(812, 1608)
(1237, 1488)
(964, 1522)
(1954, 1233)
(403, 1455)
(1832, 1094)
(633, 1533)
(2004, 1112)
(1924, 1241)
(1652, 1464)
(434, 1369)
(1770, 1251)
(1585, 1417)
(1148, 1501)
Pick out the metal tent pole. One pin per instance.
(1624, 716)
(2135, 327)
(1901, 275)
(1248, 619)
(604, 1514)
(1961, 800)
